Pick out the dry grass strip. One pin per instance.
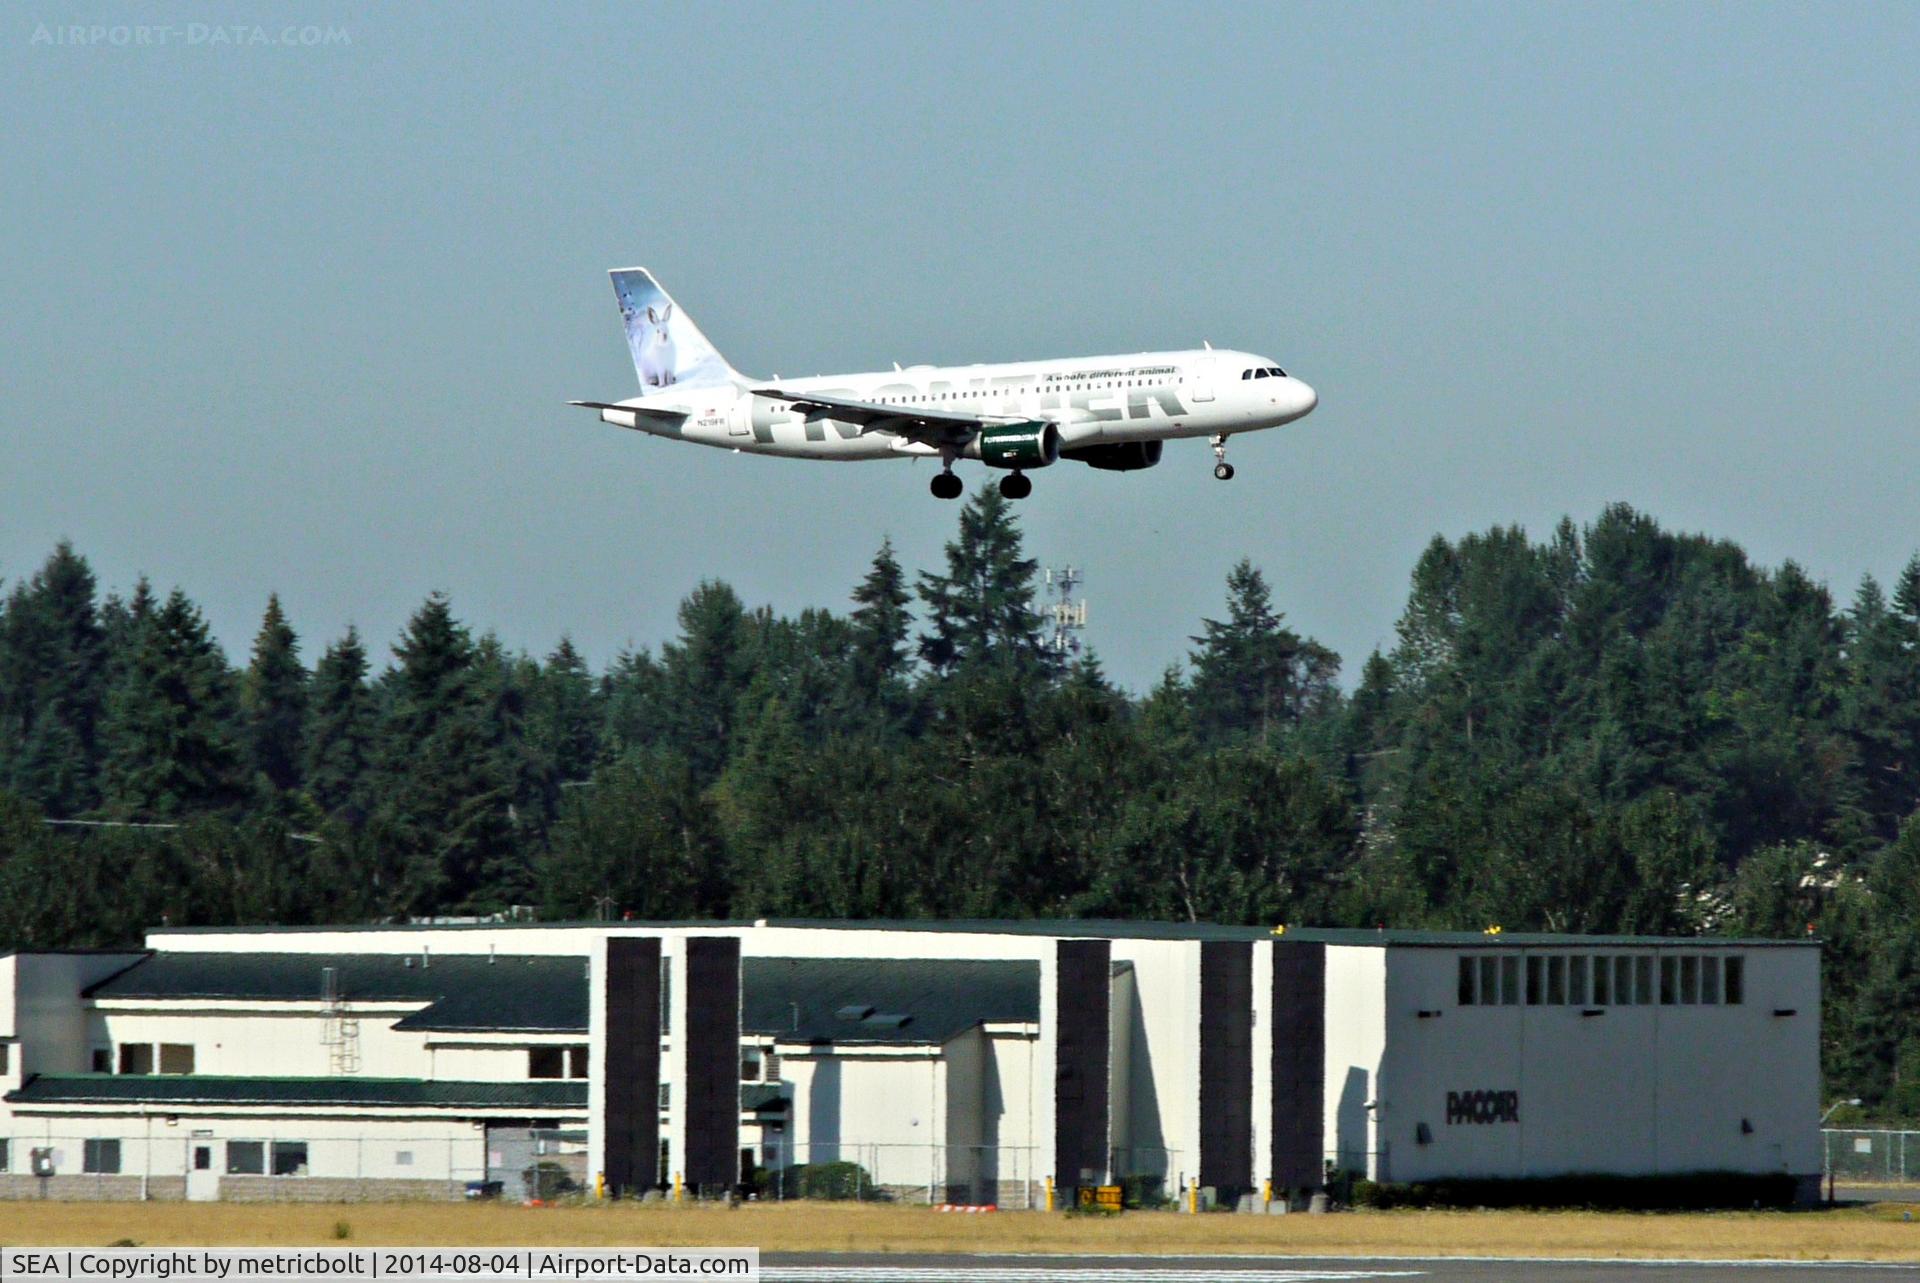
(1872, 1233)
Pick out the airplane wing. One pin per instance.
(634, 413)
(916, 423)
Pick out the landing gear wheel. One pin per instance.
(945, 486)
(1016, 486)
(1222, 470)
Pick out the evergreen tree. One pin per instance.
(170, 748)
(703, 674)
(981, 610)
(444, 795)
(52, 686)
(340, 730)
(1252, 675)
(273, 702)
(881, 622)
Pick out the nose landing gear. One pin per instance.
(1222, 470)
(1017, 485)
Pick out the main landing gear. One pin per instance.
(945, 486)
(1016, 485)
(1222, 470)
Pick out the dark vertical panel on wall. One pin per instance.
(1299, 1064)
(1226, 1064)
(1082, 996)
(712, 1118)
(630, 1066)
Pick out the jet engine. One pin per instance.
(1118, 456)
(1018, 445)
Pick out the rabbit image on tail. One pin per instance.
(656, 348)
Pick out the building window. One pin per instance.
(1602, 981)
(176, 1058)
(666, 1099)
(6, 1156)
(1669, 981)
(102, 1060)
(1710, 981)
(403, 1158)
(1690, 979)
(1577, 980)
(1533, 980)
(546, 1062)
(203, 1158)
(749, 1066)
(773, 1066)
(246, 1158)
(1490, 981)
(576, 1062)
(289, 1158)
(1467, 966)
(100, 1157)
(1736, 981)
(1557, 982)
(136, 1057)
(1509, 981)
(1643, 980)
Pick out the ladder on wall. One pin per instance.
(339, 1027)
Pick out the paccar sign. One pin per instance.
(1483, 1107)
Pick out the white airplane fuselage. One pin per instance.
(1144, 396)
(1107, 412)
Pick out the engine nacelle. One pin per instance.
(1118, 456)
(1018, 445)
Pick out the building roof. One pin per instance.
(902, 1001)
(192, 1089)
(1068, 928)
(465, 992)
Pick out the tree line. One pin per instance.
(1615, 729)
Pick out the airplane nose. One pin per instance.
(1308, 398)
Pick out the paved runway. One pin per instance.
(914, 1268)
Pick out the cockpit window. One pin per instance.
(1261, 374)
(1277, 372)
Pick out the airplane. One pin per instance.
(1109, 412)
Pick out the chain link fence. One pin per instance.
(1866, 1156)
(964, 1175)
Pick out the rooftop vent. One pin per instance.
(888, 1020)
(853, 1012)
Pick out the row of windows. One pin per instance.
(142, 1057)
(990, 394)
(1602, 980)
(556, 1062)
(1266, 372)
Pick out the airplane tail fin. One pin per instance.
(668, 348)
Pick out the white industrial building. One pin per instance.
(966, 1062)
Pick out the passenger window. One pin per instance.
(1490, 981)
(1577, 980)
(1602, 974)
(1710, 981)
(1533, 981)
(1736, 981)
(1643, 980)
(1669, 981)
(1556, 982)
(1466, 982)
(1509, 982)
(1690, 980)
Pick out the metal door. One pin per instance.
(1202, 379)
(203, 1178)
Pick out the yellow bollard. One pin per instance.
(1049, 1193)
(1266, 1195)
(599, 1184)
(676, 1187)
(1193, 1197)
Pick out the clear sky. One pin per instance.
(304, 318)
